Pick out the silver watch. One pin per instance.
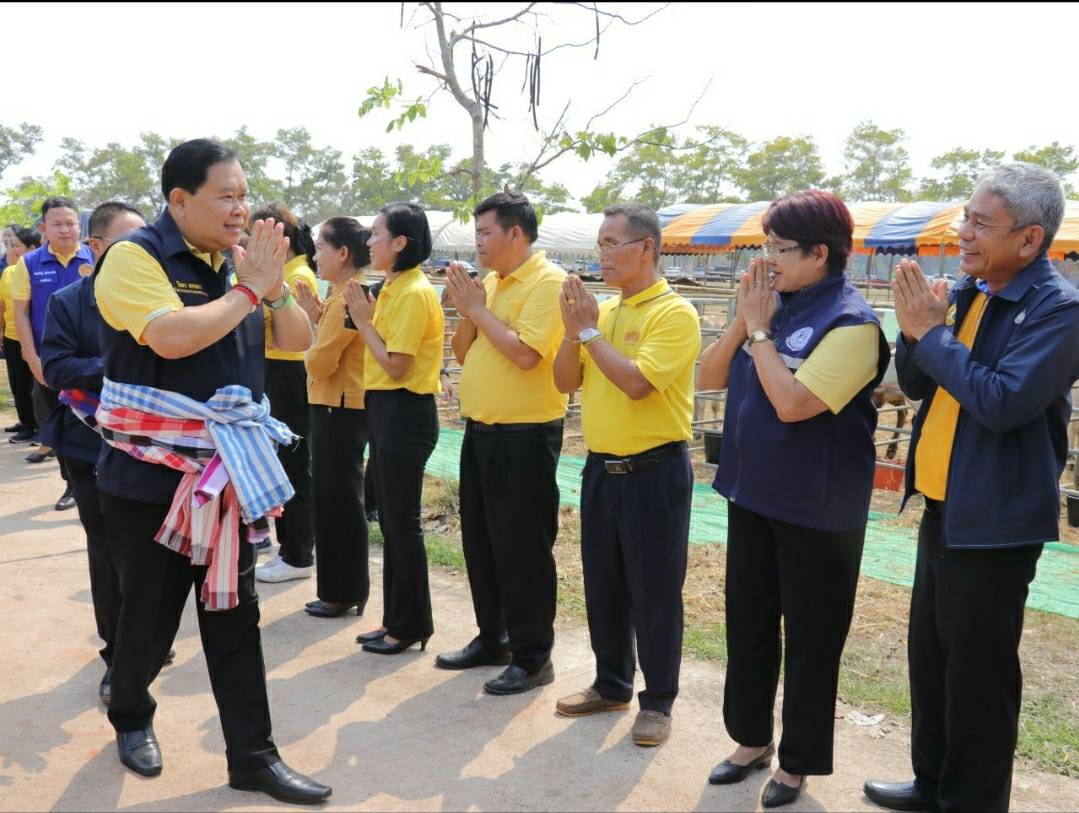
(588, 335)
(276, 304)
(759, 336)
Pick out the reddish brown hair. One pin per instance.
(813, 218)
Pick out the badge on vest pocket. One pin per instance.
(799, 339)
(949, 320)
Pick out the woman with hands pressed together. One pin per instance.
(403, 337)
(799, 362)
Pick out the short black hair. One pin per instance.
(189, 163)
(30, 238)
(409, 221)
(102, 216)
(58, 202)
(511, 209)
(642, 221)
(346, 232)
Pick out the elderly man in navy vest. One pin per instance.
(993, 366)
(176, 330)
(37, 276)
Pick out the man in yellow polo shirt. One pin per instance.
(506, 342)
(635, 357)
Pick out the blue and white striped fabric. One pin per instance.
(244, 433)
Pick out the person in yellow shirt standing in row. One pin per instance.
(20, 379)
(506, 342)
(635, 357)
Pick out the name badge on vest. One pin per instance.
(799, 339)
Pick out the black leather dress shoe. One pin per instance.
(282, 783)
(66, 501)
(475, 654)
(139, 751)
(17, 427)
(169, 658)
(330, 609)
(104, 689)
(728, 773)
(516, 680)
(895, 795)
(39, 457)
(776, 794)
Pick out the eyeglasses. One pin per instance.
(777, 251)
(603, 248)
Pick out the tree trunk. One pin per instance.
(478, 164)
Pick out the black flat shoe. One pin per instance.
(169, 658)
(39, 457)
(22, 436)
(516, 680)
(367, 637)
(895, 795)
(14, 428)
(139, 751)
(104, 689)
(329, 609)
(66, 501)
(475, 654)
(776, 794)
(282, 783)
(382, 647)
(728, 773)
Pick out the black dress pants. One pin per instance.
(286, 387)
(338, 436)
(405, 429)
(104, 579)
(634, 546)
(966, 620)
(21, 382)
(509, 521)
(46, 401)
(808, 578)
(155, 583)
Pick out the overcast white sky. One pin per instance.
(978, 75)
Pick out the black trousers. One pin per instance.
(104, 578)
(509, 521)
(405, 428)
(808, 578)
(21, 381)
(286, 386)
(338, 436)
(634, 546)
(155, 583)
(966, 620)
(46, 401)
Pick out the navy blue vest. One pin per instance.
(816, 473)
(238, 358)
(47, 276)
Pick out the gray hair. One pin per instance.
(1031, 194)
(642, 221)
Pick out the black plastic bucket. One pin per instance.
(713, 445)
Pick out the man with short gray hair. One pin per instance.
(993, 365)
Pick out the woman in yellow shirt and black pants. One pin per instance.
(338, 424)
(404, 339)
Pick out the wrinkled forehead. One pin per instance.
(614, 228)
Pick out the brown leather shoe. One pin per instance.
(588, 702)
(651, 728)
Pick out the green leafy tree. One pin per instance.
(877, 164)
(21, 203)
(1058, 159)
(16, 143)
(781, 166)
(255, 157)
(112, 172)
(960, 170)
(707, 174)
(314, 177)
(604, 195)
(648, 172)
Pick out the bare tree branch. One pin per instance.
(475, 26)
(593, 8)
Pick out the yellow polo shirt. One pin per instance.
(933, 456)
(335, 361)
(296, 269)
(9, 307)
(493, 388)
(661, 332)
(842, 364)
(409, 319)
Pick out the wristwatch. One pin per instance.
(588, 335)
(277, 304)
(760, 336)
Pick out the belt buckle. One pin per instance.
(616, 466)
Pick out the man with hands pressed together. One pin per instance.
(993, 366)
(506, 342)
(634, 356)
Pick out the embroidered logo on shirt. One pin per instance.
(85, 270)
(184, 287)
(632, 336)
(949, 319)
(799, 339)
(1019, 319)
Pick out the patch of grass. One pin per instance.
(707, 642)
(870, 679)
(444, 551)
(1049, 734)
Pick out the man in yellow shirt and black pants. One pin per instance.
(506, 343)
(635, 358)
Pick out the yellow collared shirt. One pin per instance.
(9, 307)
(19, 280)
(493, 388)
(409, 319)
(296, 269)
(335, 361)
(933, 457)
(660, 331)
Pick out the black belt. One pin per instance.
(645, 460)
(512, 427)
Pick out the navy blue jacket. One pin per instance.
(816, 473)
(1014, 390)
(71, 359)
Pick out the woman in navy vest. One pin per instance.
(799, 362)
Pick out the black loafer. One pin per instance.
(776, 794)
(895, 795)
(139, 751)
(66, 501)
(22, 436)
(330, 609)
(516, 680)
(169, 658)
(282, 783)
(475, 654)
(13, 428)
(104, 689)
(39, 457)
(728, 773)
